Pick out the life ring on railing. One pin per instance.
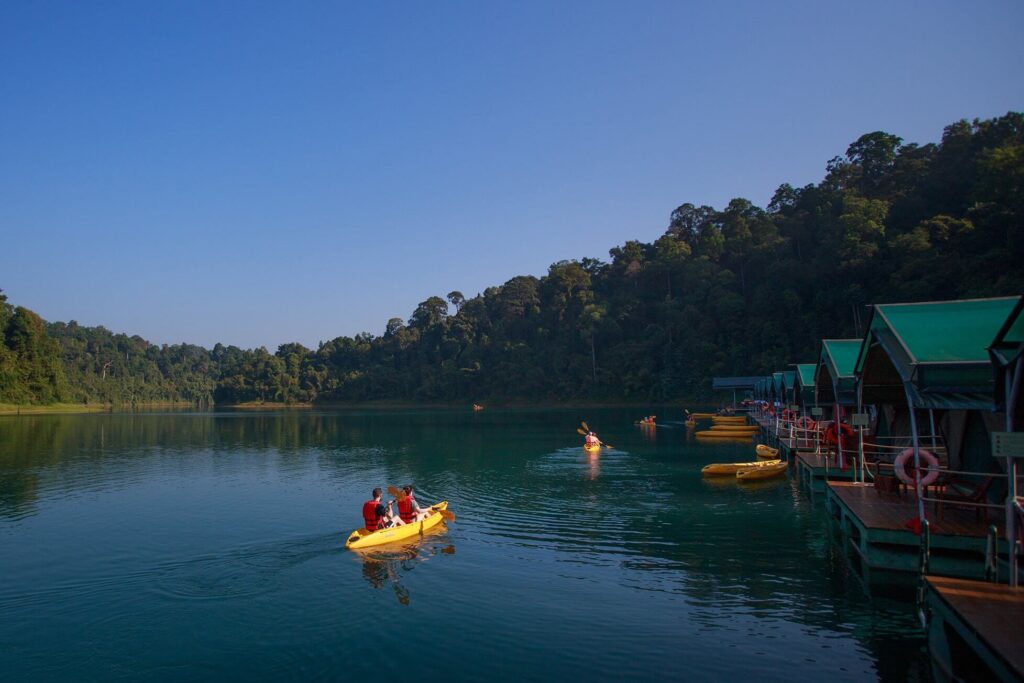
(831, 435)
(806, 423)
(932, 467)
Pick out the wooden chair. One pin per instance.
(957, 490)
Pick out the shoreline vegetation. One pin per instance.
(255, 406)
(740, 290)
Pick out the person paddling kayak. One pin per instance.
(591, 441)
(409, 510)
(377, 515)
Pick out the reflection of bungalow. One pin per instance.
(926, 367)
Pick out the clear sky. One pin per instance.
(261, 172)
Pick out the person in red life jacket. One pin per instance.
(377, 515)
(409, 510)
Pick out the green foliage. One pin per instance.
(743, 291)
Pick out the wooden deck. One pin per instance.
(812, 470)
(888, 512)
(987, 617)
(875, 528)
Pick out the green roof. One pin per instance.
(777, 384)
(939, 349)
(804, 393)
(947, 331)
(1009, 341)
(835, 381)
(805, 374)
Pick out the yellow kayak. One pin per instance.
(766, 472)
(766, 452)
(361, 538)
(731, 468)
(729, 420)
(724, 434)
(592, 449)
(735, 428)
(700, 416)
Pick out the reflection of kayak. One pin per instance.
(592, 448)
(762, 472)
(766, 452)
(361, 538)
(726, 468)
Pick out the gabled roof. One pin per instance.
(834, 378)
(1009, 340)
(804, 392)
(734, 382)
(789, 386)
(777, 385)
(939, 349)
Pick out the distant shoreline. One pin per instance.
(72, 408)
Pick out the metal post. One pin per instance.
(917, 452)
(860, 438)
(1012, 392)
(931, 421)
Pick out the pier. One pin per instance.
(974, 629)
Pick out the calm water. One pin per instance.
(210, 546)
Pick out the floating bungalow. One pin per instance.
(921, 470)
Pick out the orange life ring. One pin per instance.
(900, 467)
(831, 433)
(806, 423)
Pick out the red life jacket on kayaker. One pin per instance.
(370, 518)
(405, 510)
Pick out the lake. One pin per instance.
(210, 546)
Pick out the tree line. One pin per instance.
(742, 290)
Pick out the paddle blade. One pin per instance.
(396, 492)
(585, 427)
(608, 445)
(580, 432)
(450, 516)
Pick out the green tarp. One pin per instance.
(789, 386)
(805, 384)
(939, 349)
(834, 377)
(1005, 349)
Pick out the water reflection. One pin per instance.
(737, 560)
(384, 566)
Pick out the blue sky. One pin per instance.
(256, 173)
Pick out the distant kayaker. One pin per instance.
(591, 440)
(409, 510)
(377, 515)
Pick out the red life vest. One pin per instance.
(370, 518)
(405, 510)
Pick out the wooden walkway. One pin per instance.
(987, 617)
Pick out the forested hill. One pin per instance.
(742, 290)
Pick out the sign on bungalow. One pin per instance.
(1008, 444)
